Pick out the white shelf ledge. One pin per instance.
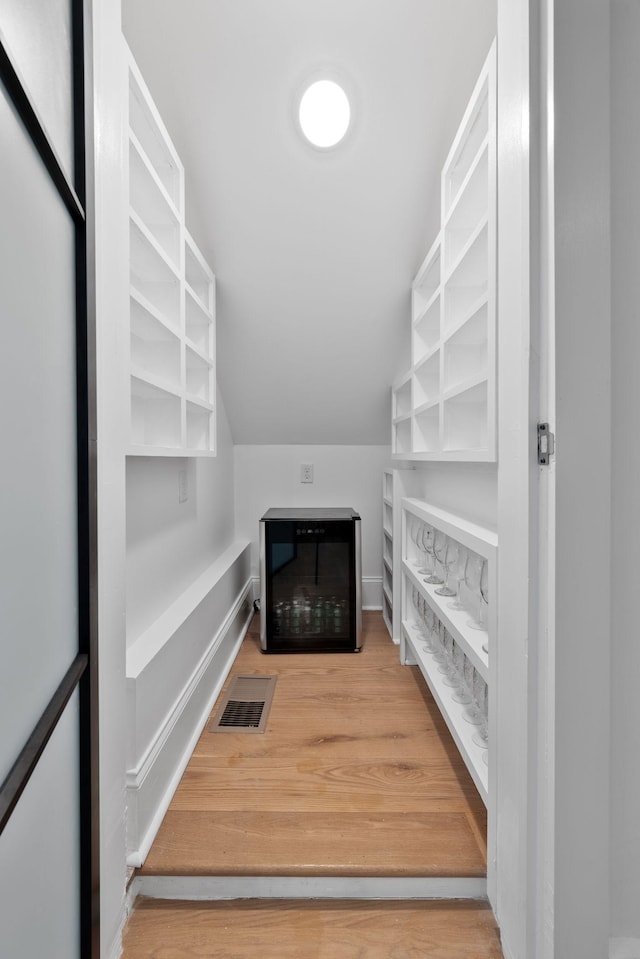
(466, 249)
(138, 373)
(452, 712)
(482, 149)
(455, 620)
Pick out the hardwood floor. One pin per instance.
(311, 930)
(356, 775)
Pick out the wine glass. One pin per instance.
(472, 577)
(481, 735)
(415, 602)
(472, 713)
(428, 540)
(439, 547)
(437, 640)
(462, 694)
(484, 595)
(430, 623)
(448, 667)
(457, 575)
(448, 559)
(440, 654)
(415, 531)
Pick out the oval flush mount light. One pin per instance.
(324, 114)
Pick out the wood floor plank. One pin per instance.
(313, 930)
(313, 843)
(354, 749)
(392, 786)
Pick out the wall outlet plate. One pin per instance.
(306, 473)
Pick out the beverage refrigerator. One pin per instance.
(310, 581)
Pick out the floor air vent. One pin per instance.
(245, 706)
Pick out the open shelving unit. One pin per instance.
(171, 298)
(387, 549)
(413, 650)
(445, 406)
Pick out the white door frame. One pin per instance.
(550, 884)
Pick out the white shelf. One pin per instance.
(469, 268)
(402, 398)
(465, 417)
(426, 331)
(427, 429)
(151, 204)
(142, 378)
(150, 132)
(455, 620)
(484, 543)
(387, 548)
(476, 125)
(198, 375)
(452, 712)
(426, 381)
(139, 300)
(172, 298)
(198, 324)
(451, 396)
(155, 414)
(427, 279)
(198, 276)
(470, 202)
(151, 274)
(199, 436)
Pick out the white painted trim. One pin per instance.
(137, 777)
(151, 641)
(115, 947)
(308, 887)
(372, 592)
(624, 948)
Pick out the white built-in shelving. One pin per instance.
(476, 644)
(171, 298)
(387, 549)
(445, 406)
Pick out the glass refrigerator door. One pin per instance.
(310, 576)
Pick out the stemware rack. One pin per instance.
(483, 543)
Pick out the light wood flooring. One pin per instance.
(355, 776)
(311, 930)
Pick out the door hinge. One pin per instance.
(546, 444)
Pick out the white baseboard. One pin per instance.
(114, 949)
(151, 785)
(372, 592)
(624, 948)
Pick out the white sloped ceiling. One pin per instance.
(313, 252)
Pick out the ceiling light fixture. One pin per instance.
(324, 114)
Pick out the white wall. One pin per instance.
(112, 280)
(467, 489)
(625, 758)
(269, 476)
(583, 477)
(170, 543)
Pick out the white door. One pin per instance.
(47, 825)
